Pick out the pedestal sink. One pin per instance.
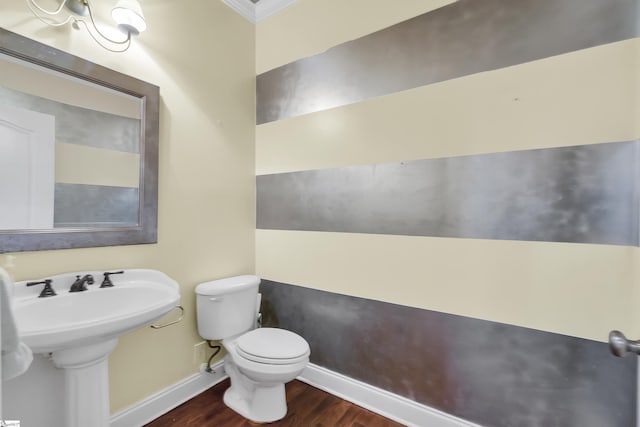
(80, 329)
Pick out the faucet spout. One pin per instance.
(81, 283)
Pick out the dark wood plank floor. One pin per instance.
(308, 407)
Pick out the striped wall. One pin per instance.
(581, 194)
(445, 163)
(463, 38)
(275, 46)
(489, 373)
(86, 205)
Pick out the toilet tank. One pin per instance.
(227, 307)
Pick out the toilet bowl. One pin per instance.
(259, 361)
(257, 378)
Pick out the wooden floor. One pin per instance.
(308, 407)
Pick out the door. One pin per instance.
(27, 170)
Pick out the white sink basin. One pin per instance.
(68, 320)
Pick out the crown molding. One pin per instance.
(260, 10)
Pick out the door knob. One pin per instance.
(620, 346)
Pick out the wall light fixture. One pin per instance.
(127, 14)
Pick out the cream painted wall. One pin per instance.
(207, 186)
(81, 164)
(24, 77)
(572, 289)
(583, 97)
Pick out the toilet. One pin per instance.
(259, 361)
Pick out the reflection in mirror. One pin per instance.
(70, 151)
(78, 151)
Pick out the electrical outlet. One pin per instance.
(200, 352)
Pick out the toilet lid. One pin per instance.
(273, 346)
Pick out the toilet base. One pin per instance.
(265, 406)
(256, 402)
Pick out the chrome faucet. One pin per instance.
(80, 284)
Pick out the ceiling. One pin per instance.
(257, 10)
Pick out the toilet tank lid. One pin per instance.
(228, 285)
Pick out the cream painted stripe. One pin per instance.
(28, 78)
(583, 97)
(81, 164)
(572, 289)
(310, 27)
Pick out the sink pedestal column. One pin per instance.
(86, 376)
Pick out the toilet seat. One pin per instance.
(272, 346)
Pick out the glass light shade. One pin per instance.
(128, 15)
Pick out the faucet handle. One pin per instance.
(47, 291)
(106, 282)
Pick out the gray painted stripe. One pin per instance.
(462, 38)
(82, 205)
(82, 126)
(490, 373)
(584, 194)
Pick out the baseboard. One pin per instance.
(389, 405)
(165, 400)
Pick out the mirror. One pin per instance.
(78, 151)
